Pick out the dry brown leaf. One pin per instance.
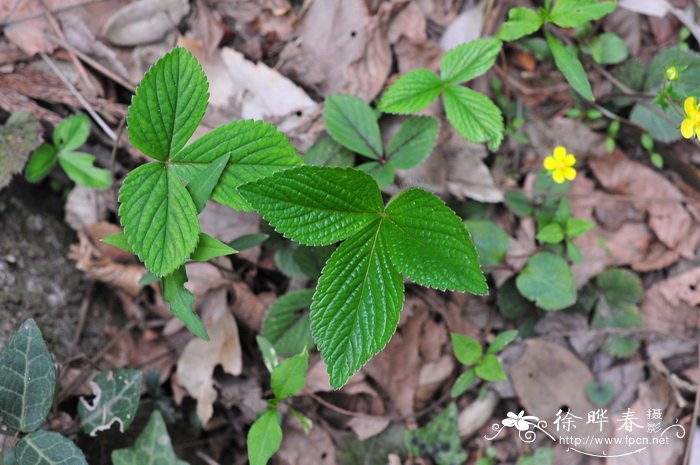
(244, 394)
(144, 21)
(365, 427)
(465, 27)
(195, 367)
(578, 138)
(86, 207)
(248, 306)
(431, 378)
(476, 414)
(298, 448)
(672, 306)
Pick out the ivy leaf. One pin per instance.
(490, 240)
(547, 280)
(27, 380)
(521, 22)
(159, 217)
(351, 122)
(439, 439)
(80, 169)
(467, 350)
(71, 133)
(168, 105)
(571, 67)
(264, 438)
(117, 395)
(256, 150)
(285, 326)
(209, 247)
(469, 60)
(48, 448)
(412, 92)
(182, 302)
(316, 205)
(288, 377)
(153, 446)
(489, 369)
(413, 142)
(327, 152)
(474, 115)
(575, 13)
(41, 163)
(205, 180)
(429, 244)
(356, 306)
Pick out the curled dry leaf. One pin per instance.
(671, 306)
(145, 21)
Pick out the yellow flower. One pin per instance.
(561, 165)
(691, 124)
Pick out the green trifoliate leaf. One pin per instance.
(463, 382)
(547, 280)
(71, 133)
(412, 92)
(287, 325)
(288, 377)
(470, 60)
(352, 123)
(551, 234)
(356, 306)
(119, 241)
(428, 243)
(570, 66)
(502, 340)
(81, 170)
(203, 182)
(152, 447)
(316, 205)
(383, 174)
(521, 22)
(27, 380)
(48, 448)
(575, 13)
(327, 152)
(489, 369)
(413, 143)
(159, 217)
(474, 115)
(209, 247)
(182, 302)
(168, 105)
(467, 350)
(264, 438)
(117, 394)
(439, 439)
(41, 163)
(490, 240)
(256, 150)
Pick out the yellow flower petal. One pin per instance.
(570, 174)
(690, 107)
(570, 160)
(558, 176)
(687, 128)
(550, 163)
(559, 153)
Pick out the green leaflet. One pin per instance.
(467, 61)
(288, 330)
(490, 240)
(288, 377)
(182, 302)
(152, 447)
(351, 122)
(473, 115)
(547, 280)
(412, 92)
(205, 180)
(357, 302)
(466, 350)
(117, 395)
(209, 247)
(521, 22)
(169, 103)
(413, 142)
(489, 369)
(48, 448)
(71, 133)
(570, 66)
(429, 244)
(316, 205)
(575, 13)
(41, 163)
(327, 152)
(159, 217)
(264, 438)
(27, 380)
(80, 169)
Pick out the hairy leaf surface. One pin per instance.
(412, 92)
(351, 122)
(474, 115)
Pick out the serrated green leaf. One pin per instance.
(117, 395)
(467, 350)
(350, 121)
(71, 133)
(469, 60)
(490, 240)
(159, 217)
(428, 243)
(521, 22)
(169, 103)
(287, 325)
(316, 205)
(356, 306)
(412, 92)
(571, 67)
(209, 247)
(264, 438)
(462, 383)
(205, 180)
(575, 13)
(301, 261)
(413, 142)
(502, 340)
(27, 379)
(248, 241)
(80, 169)
(288, 377)
(547, 280)
(48, 448)
(182, 302)
(41, 163)
(474, 116)
(383, 174)
(551, 234)
(256, 149)
(439, 439)
(327, 152)
(576, 227)
(489, 369)
(153, 446)
(119, 241)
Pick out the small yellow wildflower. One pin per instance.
(561, 165)
(691, 124)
